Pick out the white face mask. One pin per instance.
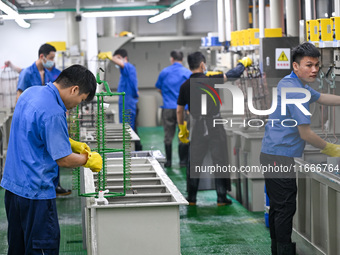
(48, 64)
(117, 66)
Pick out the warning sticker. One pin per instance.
(282, 58)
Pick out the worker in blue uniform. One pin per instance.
(281, 143)
(204, 136)
(169, 82)
(40, 73)
(37, 74)
(127, 83)
(38, 143)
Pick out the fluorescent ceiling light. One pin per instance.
(173, 10)
(10, 11)
(30, 16)
(119, 13)
(159, 17)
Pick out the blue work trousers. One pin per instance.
(33, 226)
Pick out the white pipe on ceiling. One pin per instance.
(292, 17)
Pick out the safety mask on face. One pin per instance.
(117, 66)
(48, 64)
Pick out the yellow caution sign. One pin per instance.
(282, 57)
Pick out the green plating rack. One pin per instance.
(101, 145)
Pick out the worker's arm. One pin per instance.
(310, 137)
(118, 61)
(329, 99)
(73, 160)
(180, 114)
(14, 67)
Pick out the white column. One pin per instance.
(228, 17)
(292, 17)
(276, 14)
(261, 18)
(337, 8)
(91, 44)
(308, 9)
(255, 19)
(73, 36)
(242, 8)
(221, 21)
(109, 24)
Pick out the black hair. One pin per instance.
(121, 52)
(195, 59)
(305, 49)
(46, 49)
(80, 76)
(177, 55)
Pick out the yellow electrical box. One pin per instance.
(239, 38)
(254, 36)
(336, 28)
(312, 27)
(273, 32)
(246, 37)
(59, 46)
(325, 29)
(233, 42)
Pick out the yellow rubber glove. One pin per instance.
(332, 150)
(94, 162)
(78, 147)
(105, 55)
(246, 61)
(183, 134)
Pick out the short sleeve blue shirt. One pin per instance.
(284, 140)
(38, 137)
(30, 76)
(169, 82)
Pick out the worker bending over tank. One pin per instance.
(38, 143)
(281, 144)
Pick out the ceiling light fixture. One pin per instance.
(175, 8)
(119, 13)
(12, 11)
(30, 16)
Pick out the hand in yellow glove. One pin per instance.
(78, 147)
(183, 134)
(94, 162)
(332, 150)
(105, 55)
(246, 61)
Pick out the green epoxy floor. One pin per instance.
(205, 229)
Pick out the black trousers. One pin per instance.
(206, 137)
(281, 190)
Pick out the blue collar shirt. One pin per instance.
(169, 82)
(38, 138)
(30, 76)
(282, 140)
